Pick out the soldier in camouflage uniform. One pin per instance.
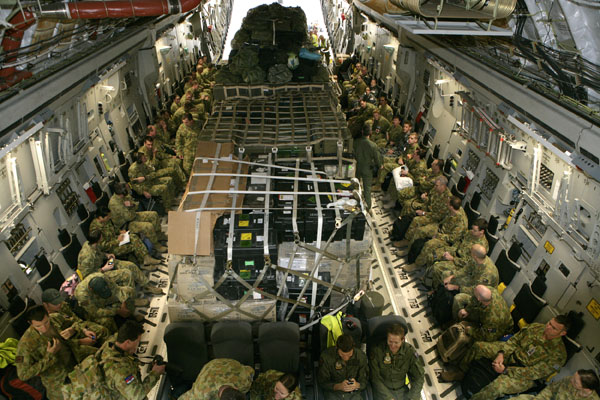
(368, 159)
(396, 133)
(163, 164)
(54, 302)
(417, 169)
(454, 256)
(122, 368)
(176, 104)
(109, 242)
(449, 229)
(488, 314)
(218, 374)
(416, 196)
(480, 270)
(50, 348)
(384, 109)
(391, 362)
(433, 211)
(535, 352)
(343, 370)
(124, 215)
(186, 142)
(390, 162)
(145, 182)
(583, 385)
(91, 260)
(104, 296)
(275, 385)
(379, 129)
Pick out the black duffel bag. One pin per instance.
(481, 373)
(440, 302)
(400, 227)
(415, 249)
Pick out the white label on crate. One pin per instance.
(289, 278)
(260, 238)
(286, 197)
(204, 160)
(260, 220)
(260, 198)
(287, 212)
(226, 221)
(256, 296)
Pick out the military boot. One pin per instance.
(141, 302)
(151, 261)
(152, 290)
(160, 248)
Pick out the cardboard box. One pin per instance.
(205, 310)
(192, 280)
(182, 223)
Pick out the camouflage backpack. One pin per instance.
(87, 380)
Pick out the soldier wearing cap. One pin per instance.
(103, 298)
(55, 302)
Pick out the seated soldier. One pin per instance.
(379, 127)
(448, 229)
(416, 197)
(163, 164)
(369, 97)
(50, 348)
(122, 368)
(397, 157)
(124, 215)
(105, 296)
(391, 362)
(384, 108)
(55, 302)
(434, 210)
(275, 385)
(397, 133)
(480, 270)
(535, 352)
(416, 170)
(144, 181)
(175, 104)
(343, 370)
(364, 113)
(112, 241)
(221, 378)
(487, 315)
(453, 257)
(583, 385)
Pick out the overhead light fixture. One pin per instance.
(441, 81)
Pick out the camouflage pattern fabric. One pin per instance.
(379, 128)
(492, 321)
(32, 358)
(436, 209)
(102, 311)
(164, 166)
(449, 229)
(386, 112)
(559, 390)
(389, 372)
(109, 242)
(160, 187)
(122, 374)
(146, 223)
(527, 357)
(101, 332)
(186, 142)
(263, 387)
(216, 373)
(334, 370)
(396, 134)
(471, 275)
(461, 247)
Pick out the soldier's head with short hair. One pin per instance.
(150, 130)
(177, 99)
(363, 103)
(284, 386)
(188, 119)
(345, 346)
(586, 381)
(366, 130)
(140, 157)
(395, 337)
(413, 138)
(230, 393)
(396, 120)
(479, 227)
(407, 127)
(557, 326)
(454, 203)
(148, 142)
(483, 294)
(120, 189)
(382, 100)
(129, 335)
(437, 165)
(38, 318)
(441, 184)
(478, 252)
(376, 114)
(94, 237)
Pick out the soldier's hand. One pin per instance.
(91, 335)
(53, 346)
(462, 314)
(67, 333)
(140, 179)
(121, 237)
(147, 195)
(498, 367)
(127, 203)
(424, 196)
(499, 359)
(159, 369)
(447, 256)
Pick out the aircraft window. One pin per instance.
(546, 177)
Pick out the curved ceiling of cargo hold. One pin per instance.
(13, 70)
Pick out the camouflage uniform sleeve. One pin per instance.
(28, 365)
(376, 380)
(540, 370)
(262, 385)
(134, 172)
(179, 140)
(416, 376)
(549, 391)
(126, 379)
(85, 263)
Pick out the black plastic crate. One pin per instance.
(231, 289)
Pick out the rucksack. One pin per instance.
(454, 342)
(87, 379)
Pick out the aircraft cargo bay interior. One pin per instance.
(320, 199)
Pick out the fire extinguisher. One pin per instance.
(90, 192)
